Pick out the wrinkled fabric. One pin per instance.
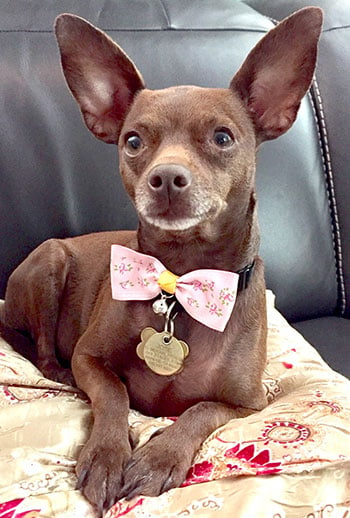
(291, 460)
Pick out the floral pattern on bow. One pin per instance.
(207, 295)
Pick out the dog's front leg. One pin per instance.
(164, 461)
(106, 453)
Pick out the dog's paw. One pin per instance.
(99, 471)
(156, 467)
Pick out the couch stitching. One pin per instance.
(166, 14)
(319, 116)
(328, 173)
(157, 29)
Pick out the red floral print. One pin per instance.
(259, 461)
(122, 508)
(200, 472)
(9, 510)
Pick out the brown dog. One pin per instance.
(187, 159)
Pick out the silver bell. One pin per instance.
(160, 306)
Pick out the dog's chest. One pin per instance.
(199, 379)
(158, 395)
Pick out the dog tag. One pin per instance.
(163, 354)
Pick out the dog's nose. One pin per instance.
(169, 179)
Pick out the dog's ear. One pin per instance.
(278, 71)
(100, 75)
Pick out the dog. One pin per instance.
(187, 160)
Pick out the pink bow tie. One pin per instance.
(207, 295)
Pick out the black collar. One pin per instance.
(244, 276)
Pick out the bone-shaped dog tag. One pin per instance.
(164, 354)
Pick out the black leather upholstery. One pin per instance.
(57, 180)
(330, 335)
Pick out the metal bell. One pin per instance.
(160, 306)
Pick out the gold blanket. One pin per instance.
(291, 460)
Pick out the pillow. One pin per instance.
(291, 459)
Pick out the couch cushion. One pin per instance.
(331, 336)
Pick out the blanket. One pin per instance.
(290, 460)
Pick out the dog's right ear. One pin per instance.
(278, 71)
(100, 75)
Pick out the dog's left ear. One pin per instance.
(278, 71)
(102, 78)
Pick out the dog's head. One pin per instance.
(187, 154)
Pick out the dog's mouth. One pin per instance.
(181, 216)
(179, 224)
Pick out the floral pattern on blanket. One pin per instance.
(290, 460)
(11, 510)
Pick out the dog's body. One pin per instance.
(84, 297)
(187, 158)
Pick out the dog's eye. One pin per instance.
(223, 137)
(133, 143)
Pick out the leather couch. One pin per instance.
(56, 180)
